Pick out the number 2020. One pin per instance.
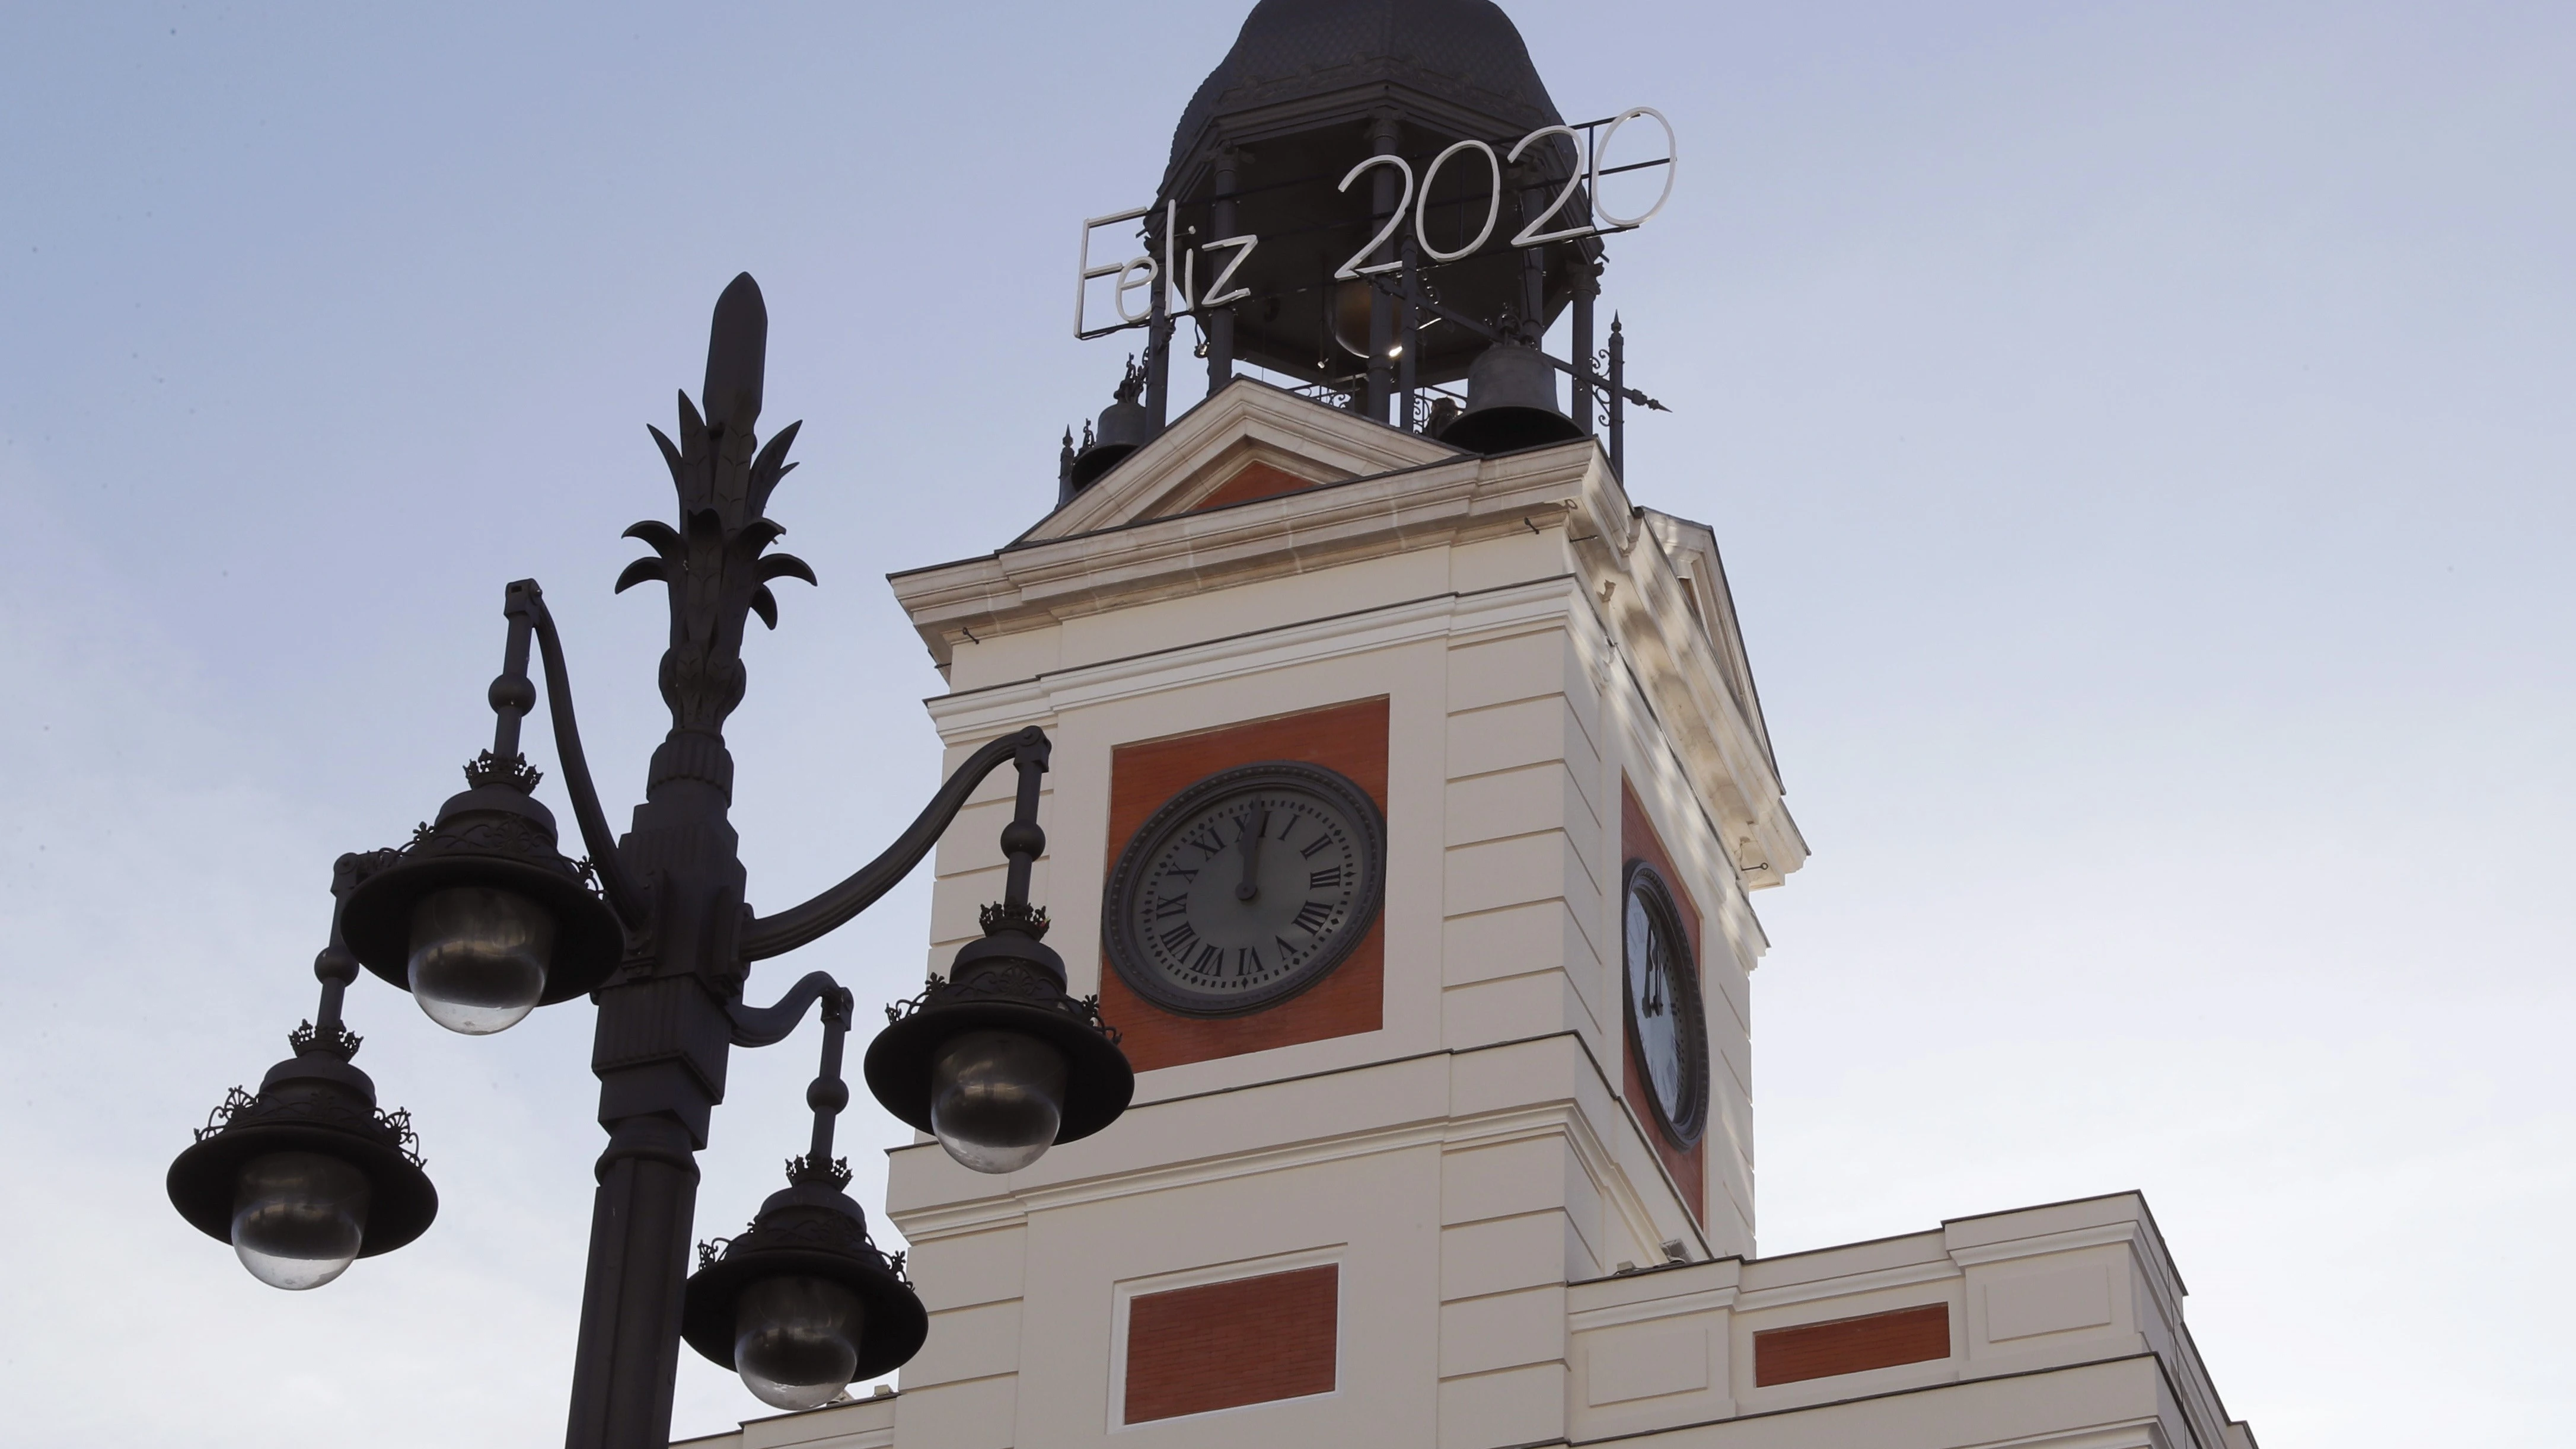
(1414, 202)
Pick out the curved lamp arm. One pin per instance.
(624, 896)
(802, 925)
(760, 1026)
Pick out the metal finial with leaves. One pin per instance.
(716, 564)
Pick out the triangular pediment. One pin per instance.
(1251, 440)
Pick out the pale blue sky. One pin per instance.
(2140, 434)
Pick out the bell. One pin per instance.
(1125, 426)
(1351, 316)
(1511, 403)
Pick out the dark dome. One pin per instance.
(1313, 87)
(1464, 52)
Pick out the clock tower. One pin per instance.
(1409, 796)
(1406, 805)
(1404, 813)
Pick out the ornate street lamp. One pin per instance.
(999, 1062)
(307, 1176)
(803, 1302)
(482, 918)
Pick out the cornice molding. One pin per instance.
(1647, 1310)
(975, 714)
(1847, 1285)
(1692, 688)
(1036, 584)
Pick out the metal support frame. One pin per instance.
(1220, 320)
(1158, 329)
(1409, 335)
(1383, 197)
(1618, 397)
(1587, 286)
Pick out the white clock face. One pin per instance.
(1245, 888)
(1666, 1028)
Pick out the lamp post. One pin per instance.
(483, 919)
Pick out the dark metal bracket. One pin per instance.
(525, 605)
(776, 935)
(513, 695)
(760, 1026)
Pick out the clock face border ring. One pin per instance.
(1688, 1006)
(1118, 937)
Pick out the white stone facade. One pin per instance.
(1518, 1264)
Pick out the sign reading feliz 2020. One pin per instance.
(1179, 266)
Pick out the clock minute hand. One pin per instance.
(1250, 886)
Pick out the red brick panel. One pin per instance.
(1689, 1166)
(1223, 1345)
(1849, 1345)
(1255, 479)
(1350, 738)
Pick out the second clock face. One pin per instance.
(1666, 1029)
(1245, 888)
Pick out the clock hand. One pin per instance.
(1250, 845)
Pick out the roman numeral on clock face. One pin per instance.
(1313, 915)
(1309, 851)
(1178, 939)
(1324, 880)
